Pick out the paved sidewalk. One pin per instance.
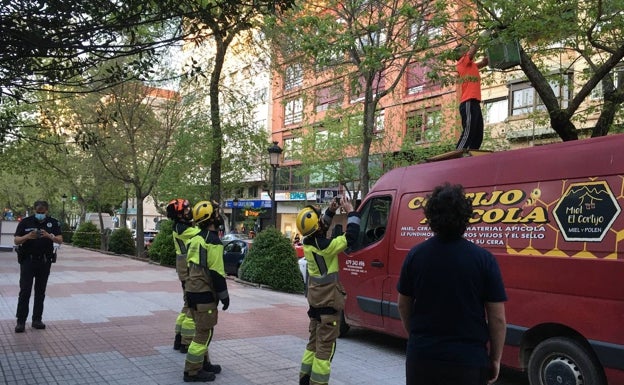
(110, 320)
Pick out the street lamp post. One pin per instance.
(125, 216)
(234, 207)
(63, 199)
(274, 157)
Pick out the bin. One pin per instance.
(503, 55)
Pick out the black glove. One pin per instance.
(226, 303)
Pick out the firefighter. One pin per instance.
(179, 211)
(205, 287)
(325, 294)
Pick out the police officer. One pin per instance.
(325, 293)
(179, 211)
(205, 287)
(35, 236)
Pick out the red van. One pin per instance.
(552, 216)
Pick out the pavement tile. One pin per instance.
(110, 321)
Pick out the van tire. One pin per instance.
(344, 326)
(559, 358)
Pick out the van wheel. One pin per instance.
(558, 361)
(344, 327)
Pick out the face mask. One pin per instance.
(40, 217)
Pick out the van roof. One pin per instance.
(573, 159)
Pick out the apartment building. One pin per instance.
(245, 109)
(421, 110)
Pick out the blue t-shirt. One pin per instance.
(450, 282)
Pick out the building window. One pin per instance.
(380, 123)
(495, 111)
(373, 39)
(525, 100)
(290, 178)
(329, 97)
(293, 77)
(356, 124)
(292, 148)
(423, 126)
(293, 111)
(320, 140)
(423, 28)
(260, 95)
(326, 174)
(358, 87)
(259, 125)
(419, 79)
(326, 59)
(252, 192)
(618, 77)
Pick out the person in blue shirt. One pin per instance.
(451, 300)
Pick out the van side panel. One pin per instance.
(552, 216)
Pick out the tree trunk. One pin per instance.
(561, 123)
(215, 121)
(140, 241)
(613, 99)
(560, 119)
(368, 127)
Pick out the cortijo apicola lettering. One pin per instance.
(499, 206)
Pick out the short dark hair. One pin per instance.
(459, 51)
(41, 203)
(448, 210)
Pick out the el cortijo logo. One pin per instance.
(586, 211)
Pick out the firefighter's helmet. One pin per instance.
(308, 220)
(177, 208)
(202, 211)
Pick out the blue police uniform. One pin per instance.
(35, 257)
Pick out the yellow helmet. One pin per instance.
(308, 221)
(202, 211)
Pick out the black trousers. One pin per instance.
(434, 373)
(37, 271)
(472, 123)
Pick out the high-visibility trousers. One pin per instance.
(319, 352)
(205, 317)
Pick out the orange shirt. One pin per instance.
(469, 79)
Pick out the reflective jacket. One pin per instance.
(325, 292)
(182, 233)
(205, 264)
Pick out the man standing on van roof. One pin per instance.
(448, 288)
(469, 88)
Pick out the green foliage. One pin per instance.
(162, 249)
(358, 44)
(121, 242)
(68, 234)
(272, 261)
(87, 235)
(414, 154)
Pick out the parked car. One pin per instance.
(227, 238)
(148, 237)
(234, 252)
